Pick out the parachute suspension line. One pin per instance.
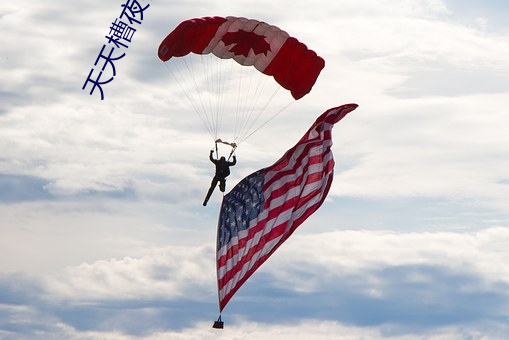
(215, 82)
(224, 69)
(234, 146)
(196, 108)
(194, 98)
(194, 70)
(250, 101)
(239, 110)
(255, 94)
(207, 81)
(244, 109)
(213, 91)
(191, 69)
(261, 112)
(217, 91)
(217, 73)
(267, 121)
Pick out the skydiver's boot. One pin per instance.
(209, 193)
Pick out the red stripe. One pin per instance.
(294, 203)
(241, 281)
(306, 142)
(312, 159)
(324, 134)
(278, 167)
(297, 182)
(237, 267)
(317, 205)
(222, 283)
(260, 226)
(241, 243)
(274, 212)
(275, 232)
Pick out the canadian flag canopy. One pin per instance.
(250, 43)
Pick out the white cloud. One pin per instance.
(115, 210)
(308, 263)
(339, 253)
(330, 274)
(162, 273)
(418, 147)
(315, 329)
(44, 237)
(449, 147)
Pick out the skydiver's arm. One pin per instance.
(234, 161)
(210, 156)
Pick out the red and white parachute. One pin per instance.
(227, 95)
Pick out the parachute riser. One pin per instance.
(233, 145)
(231, 153)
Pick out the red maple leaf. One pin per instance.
(246, 41)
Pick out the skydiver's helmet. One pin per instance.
(222, 159)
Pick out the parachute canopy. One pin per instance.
(250, 43)
(204, 55)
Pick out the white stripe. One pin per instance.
(292, 175)
(292, 192)
(288, 215)
(265, 250)
(247, 266)
(279, 219)
(234, 240)
(230, 263)
(315, 168)
(314, 151)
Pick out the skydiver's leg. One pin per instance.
(211, 189)
(222, 184)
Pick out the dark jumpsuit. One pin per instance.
(222, 171)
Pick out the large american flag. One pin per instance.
(266, 207)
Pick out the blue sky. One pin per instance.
(102, 232)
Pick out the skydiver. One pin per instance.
(222, 171)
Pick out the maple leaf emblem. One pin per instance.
(244, 42)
